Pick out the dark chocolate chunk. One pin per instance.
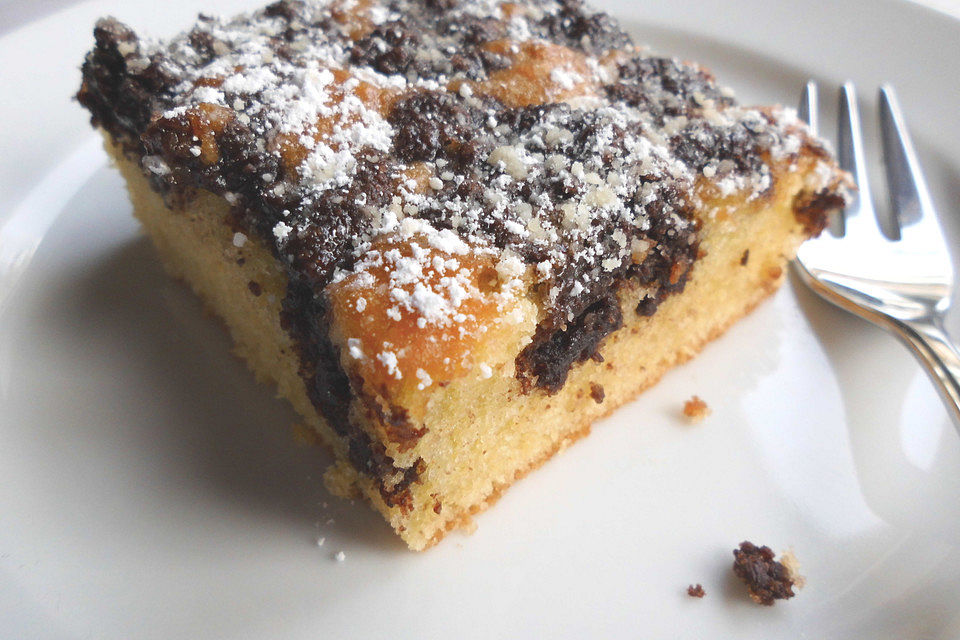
(577, 27)
(429, 124)
(665, 87)
(547, 360)
(390, 49)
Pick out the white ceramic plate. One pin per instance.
(150, 489)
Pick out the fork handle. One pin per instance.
(936, 351)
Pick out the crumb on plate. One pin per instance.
(695, 409)
(767, 580)
(789, 560)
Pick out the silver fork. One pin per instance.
(901, 285)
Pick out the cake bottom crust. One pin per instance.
(482, 434)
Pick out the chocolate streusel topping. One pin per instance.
(533, 133)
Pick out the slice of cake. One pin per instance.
(453, 235)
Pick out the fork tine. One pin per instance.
(809, 112)
(861, 217)
(909, 196)
(808, 107)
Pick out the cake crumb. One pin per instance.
(340, 557)
(695, 409)
(320, 541)
(789, 560)
(767, 580)
(696, 591)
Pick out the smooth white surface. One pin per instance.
(150, 489)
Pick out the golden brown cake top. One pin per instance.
(433, 152)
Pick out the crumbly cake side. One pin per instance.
(198, 247)
(453, 234)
